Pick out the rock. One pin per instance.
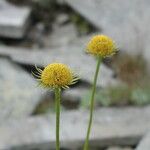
(61, 2)
(124, 21)
(37, 35)
(111, 126)
(74, 56)
(74, 94)
(144, 143)
(119, 148)
(61, 36)
(19, 94)
(13, 20)
(61, 19)
(146, 56)
(71, 98)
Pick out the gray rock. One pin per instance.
(146, 56)
(74, 56)
(61, 35)
(119, 148)
(61, 2)
(113, 126)
(13, 20)
(74, 94)
(19, 94)
(72, 97)
(61, 19)
(37, 35)
(144, 143)
(125, 21)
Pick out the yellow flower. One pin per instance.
(101, 45)
(55, 75)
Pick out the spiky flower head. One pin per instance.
(55, 75)
(101, 45)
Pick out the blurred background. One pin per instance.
(39, 32)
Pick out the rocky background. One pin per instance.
(38, 32)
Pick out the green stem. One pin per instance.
(57, 107)
(86, 144)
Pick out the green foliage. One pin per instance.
(85, 102)
(118, 96)
(141, 96)
(101, 96)
(82, 25)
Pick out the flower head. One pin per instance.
(55, 75)
(101, 45)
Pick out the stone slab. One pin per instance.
(75, 94)
(74, 56)
(57, 38)
(119, 148)
(144, 143)
(113, 126)
(13, 20)
(19, 94)
(125, 21)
